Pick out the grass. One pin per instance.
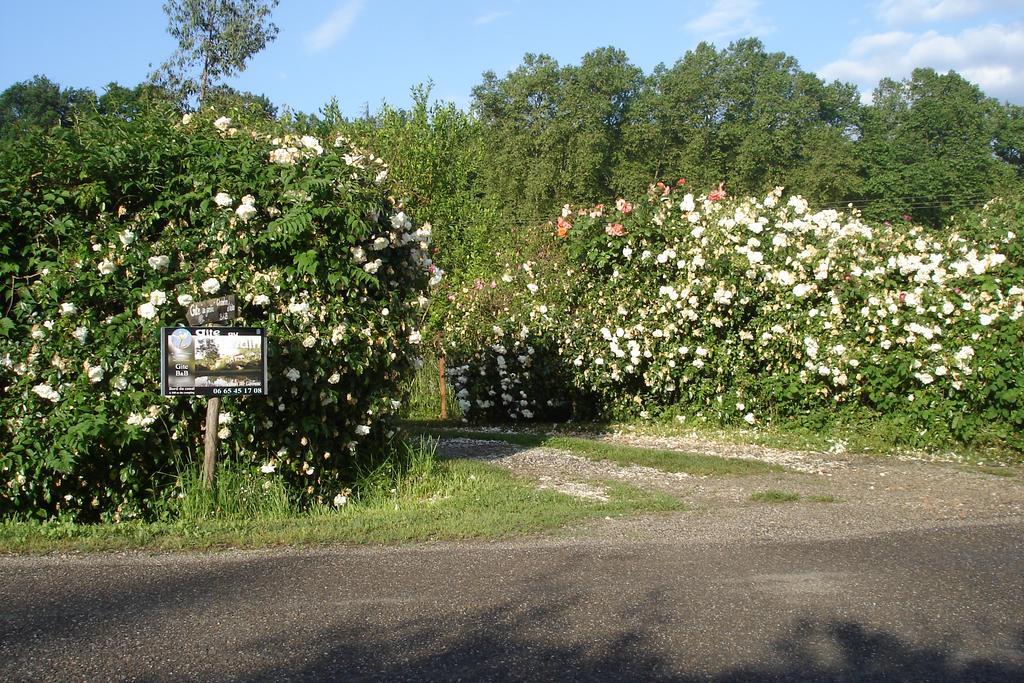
(424, 397)
(434, 500)
(664, 460)
(774, 496)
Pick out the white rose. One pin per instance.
(334, 379)
(106, 267)
(223, 199)
(310, 142)
(363, 430)
(245, 212)
(222, 124)
(147, 311)
(81, 334)
(415, 337)
(95, 373)
(47, 392)
(268, 468)
(249, 200)
(159, 262)
(68, 309)
(340, 500)
(261, 300)
(292, 374)
(157, 298)
(211, 286)
(185, 299)
(127, 237)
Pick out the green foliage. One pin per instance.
(927, 148)
(41, 104)
(215, 38)
(112, 226)
(552, 132)
(434, 158)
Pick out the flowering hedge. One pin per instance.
(116, 226)
(750, 310)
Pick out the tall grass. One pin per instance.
(424, 402)
(238, 492)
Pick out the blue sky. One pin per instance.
(367, 51)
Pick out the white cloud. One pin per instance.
(335, 27)
(902, 12)
(866, 45)
(987, 55)
(730, 18)
(490, 17)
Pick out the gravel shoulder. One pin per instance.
(841, 495)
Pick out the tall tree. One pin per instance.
(552, 133)
(41, 103)
(215, 40)
(1009, 143)
(927, 147)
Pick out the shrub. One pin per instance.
(750, 310)
(117, 224)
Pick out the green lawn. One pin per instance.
(449, 500)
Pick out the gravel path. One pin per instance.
(841, 494)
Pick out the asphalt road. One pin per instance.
(936, 604)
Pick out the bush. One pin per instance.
(753, 310)
(113, 226)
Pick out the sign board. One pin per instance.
(220, 310)
(213, 361)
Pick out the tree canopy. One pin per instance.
(215, 40)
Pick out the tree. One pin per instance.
(927, 147)
(551, 133)
(215, 39)
(128, 103)
(40, 103)
(1009, 143)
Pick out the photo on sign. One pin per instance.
(229, 361)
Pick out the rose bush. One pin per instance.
(750, 310)
(113, 227)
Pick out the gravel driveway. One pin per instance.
(840, 494)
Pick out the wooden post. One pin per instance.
(444, 389)
(210, 441)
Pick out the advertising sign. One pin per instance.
(219, 310)
(213, 361)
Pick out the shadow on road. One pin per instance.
(813, 651)
(935, 606)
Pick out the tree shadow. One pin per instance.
(409, 616)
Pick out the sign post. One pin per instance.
(210, 440)
(203, 360)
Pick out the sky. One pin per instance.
(365, 52)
